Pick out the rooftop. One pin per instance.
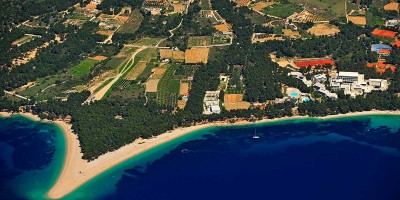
(348, 74)
(313, 63)
(384, 33)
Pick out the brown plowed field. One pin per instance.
(197, 55)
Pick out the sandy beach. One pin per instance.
(77, 171)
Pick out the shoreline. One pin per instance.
(76, 171)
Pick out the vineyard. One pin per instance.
(168, 88)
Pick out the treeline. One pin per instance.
(106, 125)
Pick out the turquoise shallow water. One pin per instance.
(32, 154)
(342, 158)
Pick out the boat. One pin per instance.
(255, 136)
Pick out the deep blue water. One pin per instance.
(343, 159)
(346, 158)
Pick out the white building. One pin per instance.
(349, 77)
(318, 78)
(211, 103)
(353, 83)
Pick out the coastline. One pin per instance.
(76, 171)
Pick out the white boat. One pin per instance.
(255, 136)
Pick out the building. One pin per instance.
(384, 33)
(381, 66)
(381, 48)
(313, 63)
(211, 103)
(353, 83)
(323, 91)
(209, 14)
(392, 22)
(318, 78)
(348, 77)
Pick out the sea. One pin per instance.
(354, 158)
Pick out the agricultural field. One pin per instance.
(133, 69)
(196, 55)
(83, 68)
(282, 10)
(259, 6)
(148, 41)
(221, 39)
(168, 88)
(126, 89)
(327, 8)
(199, 41)
(133, 23)
(146, 73)
(118, 59)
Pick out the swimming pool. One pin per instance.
(294, 94)
(306, 99)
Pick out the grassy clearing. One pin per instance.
(281, 10)
(83, 68)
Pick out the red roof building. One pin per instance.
(381, 66)
(384, 51)
(397, 43)
(384, 33)
(313, 63)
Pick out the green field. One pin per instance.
(83, 68)
(168, 88)
(281, 10)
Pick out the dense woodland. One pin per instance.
(109, 124)
(14, 12)
(55, 58)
